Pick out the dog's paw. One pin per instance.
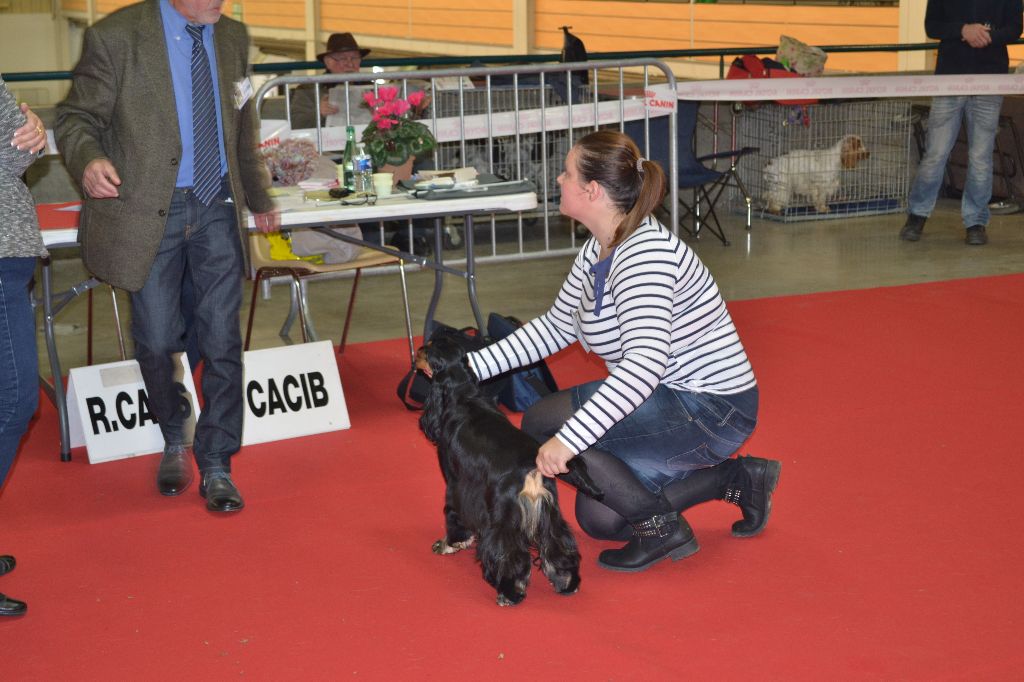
(565, 582)
(510, 601)
(442, 546)
(511, 592)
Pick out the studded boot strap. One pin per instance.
(660, 526)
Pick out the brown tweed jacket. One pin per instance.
(121, 106)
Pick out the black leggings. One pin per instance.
(625, 497)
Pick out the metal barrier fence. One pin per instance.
(515, 122)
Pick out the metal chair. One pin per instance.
(707, 183)
(299, 271)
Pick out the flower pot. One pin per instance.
(402, 172)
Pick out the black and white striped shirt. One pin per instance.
(661, 320)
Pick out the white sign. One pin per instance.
(272, 131)
(292, 391)
(849, 87)
(109, 412)
(657, 100)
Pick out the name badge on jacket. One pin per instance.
(243, 92)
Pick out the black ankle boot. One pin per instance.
(751, 490)
(911, 230)
(654, 539)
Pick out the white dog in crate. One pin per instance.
(812, 173)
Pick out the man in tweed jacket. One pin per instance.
(125, 131)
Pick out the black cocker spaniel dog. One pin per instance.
(494, 493)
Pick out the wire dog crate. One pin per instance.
(824, 161)
(530, 156)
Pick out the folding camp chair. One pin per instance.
(707, 184)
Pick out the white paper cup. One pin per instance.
(383, 183)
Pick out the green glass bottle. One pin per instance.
(348, 157)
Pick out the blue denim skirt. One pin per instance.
(673, 432)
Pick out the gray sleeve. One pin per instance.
(13, 162)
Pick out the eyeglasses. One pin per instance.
(346, 57)
(364, 200)
(322, 198)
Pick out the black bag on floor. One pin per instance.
(528, 384)
(415, 385)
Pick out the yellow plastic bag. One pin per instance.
(281, 249)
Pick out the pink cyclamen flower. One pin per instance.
(416, 98)
(387, 93)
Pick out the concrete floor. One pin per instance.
(772, 259)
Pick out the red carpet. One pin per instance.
(894, 551)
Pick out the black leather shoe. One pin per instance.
(7, 564)
(220, 492)
(976, 236)
(754, 495)
(175, 472)
(911, 231)
(12, 607)
(657, 538)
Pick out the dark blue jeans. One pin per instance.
(674, 433)
(19, 371)
(200, 244)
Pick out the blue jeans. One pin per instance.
(202, 244)
(981, 113)
(674, 433)
(19, 370)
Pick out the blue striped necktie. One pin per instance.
(206, 160)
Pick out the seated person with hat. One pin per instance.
(343, 55)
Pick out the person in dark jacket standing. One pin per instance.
(160, 130)
(973, 36)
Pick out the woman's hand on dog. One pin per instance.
(553, 457)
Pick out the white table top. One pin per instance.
(56, 219)
(296, 211)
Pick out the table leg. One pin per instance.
(57, 389)
(471, 274)
(435, 297)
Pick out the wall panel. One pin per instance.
(618, 26)
(25, 6)
(482, 22)
(485, 26)
(270, 13)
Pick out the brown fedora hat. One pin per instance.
(341, 42)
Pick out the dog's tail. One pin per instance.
(579, 478)
(532, 499)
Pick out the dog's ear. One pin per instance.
(443, 352)
(852, 151)
(447, 384)
(433, 412)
